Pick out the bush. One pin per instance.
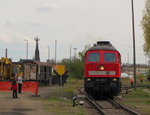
(75, 68)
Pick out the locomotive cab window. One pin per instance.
(109, 57)
(94, 57)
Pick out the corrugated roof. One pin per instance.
(43, 63)
(29, 61)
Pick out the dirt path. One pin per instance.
(26, 104)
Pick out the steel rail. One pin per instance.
(96, 105)
(114, 102)
(93, 103)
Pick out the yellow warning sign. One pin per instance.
(60, 69)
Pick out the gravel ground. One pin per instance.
(26, 104)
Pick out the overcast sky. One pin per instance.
(70, 22)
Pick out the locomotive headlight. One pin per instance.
(101, 68)
(88, 79)
(114, 79)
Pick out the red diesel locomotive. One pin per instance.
(102, 70)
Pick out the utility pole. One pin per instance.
(26, 48)
(70, 52)
(128, 58)
(6, 54)
(75, 54)
(55, 51)
(134, 56)
(48, 53)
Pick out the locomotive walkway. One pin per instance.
(26, 104)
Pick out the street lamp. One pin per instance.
(48, 53)
(75, 54)
(26, 48)
(70, 52)
(134, 56)
(55, 51)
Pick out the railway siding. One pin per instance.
(107, 107)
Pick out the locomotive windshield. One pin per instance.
(94, 57)
(109, 57)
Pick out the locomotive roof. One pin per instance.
(103, 45)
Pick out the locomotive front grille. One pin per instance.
(102, 73)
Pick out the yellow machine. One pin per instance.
(5, 68)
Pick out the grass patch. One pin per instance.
(70, 88)
(138, 93)
(145, 109)
(139, 98)
(148, 102)
(74, 82)
(56, 99)
(65, 108)
(59, 106)
(146, 82)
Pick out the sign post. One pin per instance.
(61, 87)
(60, 69)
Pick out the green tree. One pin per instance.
(76, 67)
(82, 53)
(146, 27)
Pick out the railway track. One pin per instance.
(109, 106)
